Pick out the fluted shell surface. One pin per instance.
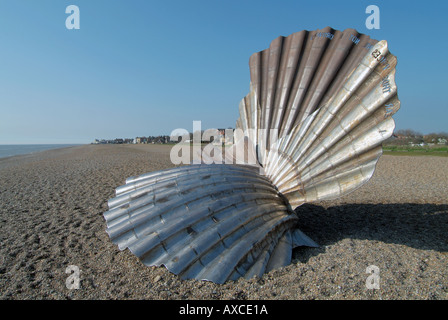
(319, 110)
(211, 222)
(312, 127)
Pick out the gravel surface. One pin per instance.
(51, 217)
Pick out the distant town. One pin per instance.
(161, 139)
(400, 137)
(138, 140)
(414, 138)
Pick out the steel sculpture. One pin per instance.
(318, 111)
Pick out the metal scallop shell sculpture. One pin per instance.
(318, 110)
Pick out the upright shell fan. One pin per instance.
(319, 108)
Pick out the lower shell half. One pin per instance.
(208, 222)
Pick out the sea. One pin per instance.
(8, 150)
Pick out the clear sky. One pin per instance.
(143, 67)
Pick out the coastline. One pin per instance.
(30, 153)
(51, 217)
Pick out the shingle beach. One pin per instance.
(51, 217)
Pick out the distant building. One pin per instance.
(152, 140)
(225, 138)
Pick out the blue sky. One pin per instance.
(142, 67)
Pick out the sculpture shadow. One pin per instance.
(421, 226)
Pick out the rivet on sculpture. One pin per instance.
(318, 111)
